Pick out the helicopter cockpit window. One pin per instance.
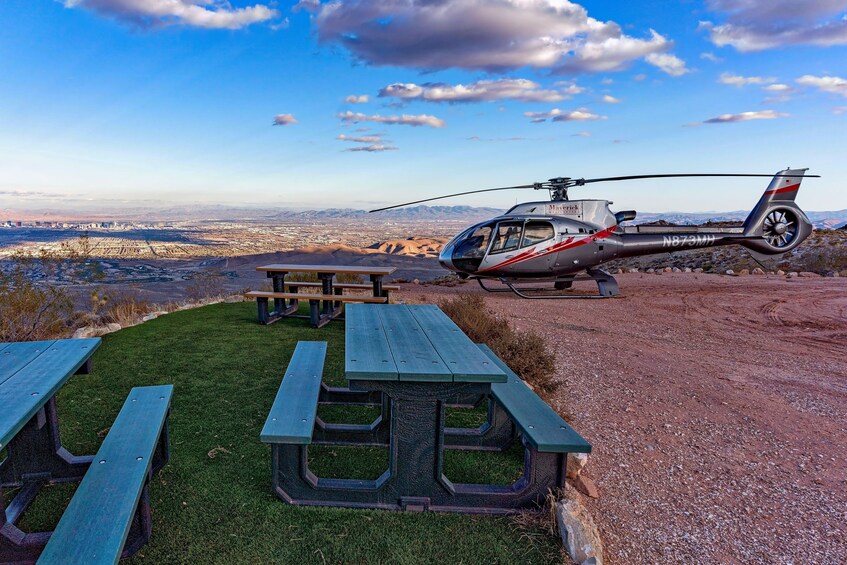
(536, 232)
(507, 237)
(469, 251)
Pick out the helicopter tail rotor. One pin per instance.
(777, 225)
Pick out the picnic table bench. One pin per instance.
(109, 514)
(421, 362)
(323, 307)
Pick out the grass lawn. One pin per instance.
(213, 502)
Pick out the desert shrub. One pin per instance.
(524, 351)
(29, 311)
(206, 284)
(121, 306)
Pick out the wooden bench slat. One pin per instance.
(95, 525)
(414, 355)
(365, 336)
(28, 389)
(322, 297)
(292, 416)
(459, 353)
(539, 423)
(334, 269)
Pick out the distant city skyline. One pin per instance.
(122, 104)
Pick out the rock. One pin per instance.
(676, 270)
(780, 272)
(416, 281)
(667, 269)
(833, 274)
(149, 317)
(619, 272)
(633, 270)
(651, 270)
(234, 298)
(808, 274)
(83, 332)
(792, 274)
(113, 327)
(698, 270)
(586, 486)
(576, 463)
(686, 270)
(729, 272)
(758, 271)
(579, 534)
(744, 272)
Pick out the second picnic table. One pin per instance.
(322, 308)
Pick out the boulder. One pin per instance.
(149, 317)
(667, 269)
(676, 270)
(833, 274)
(586, 486)
(113, 327)
(698, 270)
(633, 270)
(95, 331)
(808, 274)
(758, 271)
(579, 534)
(651, 270)
(729, 272)
(792, 274)
(84, 332)
(686, 270)
(576, 463)
(744, 272)
(780, 272)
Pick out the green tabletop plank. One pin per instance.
(367, 354)
(292, 416)
(25, 392)
(414, 355)
(95, 525)
(459, 353)
(15, 356)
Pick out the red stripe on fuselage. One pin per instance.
(791, 188)
(569, 243)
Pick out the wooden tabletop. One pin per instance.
(336, 269)
(31, 373)
(412, 343)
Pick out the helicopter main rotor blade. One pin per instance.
(456, 194)
(635, 177)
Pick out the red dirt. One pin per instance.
(717, 408)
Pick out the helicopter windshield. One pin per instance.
(470, 251)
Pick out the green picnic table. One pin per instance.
(421, 362)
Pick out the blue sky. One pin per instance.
(128, 103)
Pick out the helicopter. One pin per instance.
(557, 240)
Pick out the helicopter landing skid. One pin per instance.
(607, 287)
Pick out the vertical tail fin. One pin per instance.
(783, 188)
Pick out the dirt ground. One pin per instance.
(717, 410)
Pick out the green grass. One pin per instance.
(226, 369)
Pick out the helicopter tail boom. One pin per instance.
(776, 224)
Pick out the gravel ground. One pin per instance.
(717, 408)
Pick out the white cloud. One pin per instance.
(284, 120)
(670, 64)
(405, 119)
(738, 80)
(609, 99)
(374, 138)
(711, 57)
(777, 88)
(640, 77)
(839, 110)
(489, 35)
(557, 115)
(210, 14)
(607, 81)
(582, 134)
(307, 5)
(746, 117)
(373, 148)
(831, 84)
(754, 25)
(484, 90)
(357, 99)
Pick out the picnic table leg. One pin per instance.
(278, 286)
(377, 286)
(326, 287)
(15, 545)
(36, 453)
